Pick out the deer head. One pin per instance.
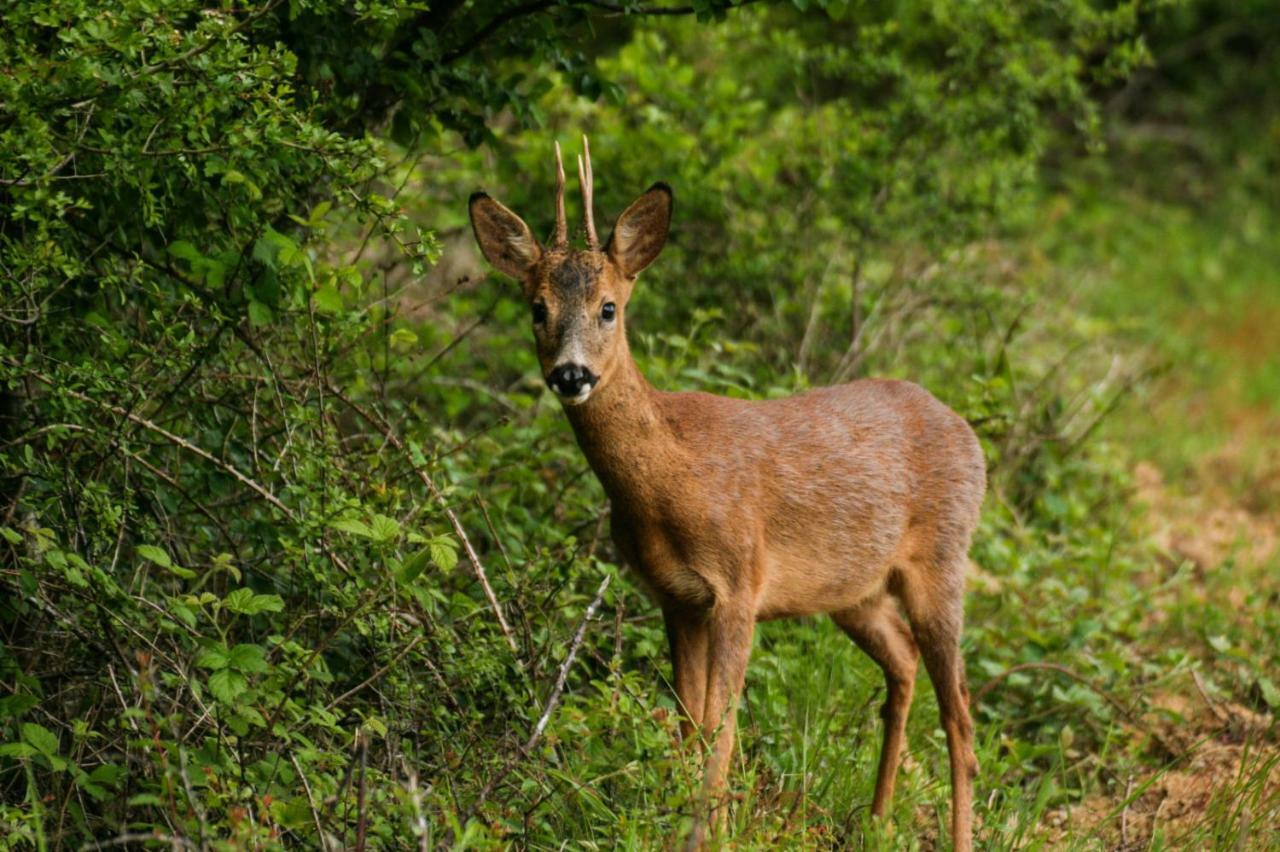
(577, 298)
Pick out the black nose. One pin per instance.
(570, 379)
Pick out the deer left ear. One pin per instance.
(504, 238)
(641, 231)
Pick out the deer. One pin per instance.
(858, 501)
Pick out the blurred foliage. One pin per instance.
(267, 432)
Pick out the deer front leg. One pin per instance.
(687, 634)
(729, 633)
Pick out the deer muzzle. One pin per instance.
(573, 383)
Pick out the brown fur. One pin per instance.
(854, 500)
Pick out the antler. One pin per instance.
(562, 228)
(584, 179)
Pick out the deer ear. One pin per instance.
(503, 236)
(641, 231)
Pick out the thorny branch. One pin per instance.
(553, 700)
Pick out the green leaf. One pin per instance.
(227, 685)
(247, 602)
(44, 740)
(215, 657)
(259, 314)
(12, 706)
(319, 212)
(404, 339)
(290, 254)
(268, 603)
(235, 178)
(225, 562)
(1270, 693)
(414, 566)
(328, 299)
(98, 793)
(249, 659)
(215, 273)
(383, 529)
(185, 251)
(17, 750)
(351, 525)
(151, 553)
(159, 557)
(182, 612)
(108, 774)
(238, 600)
(10, 535)
(144, 799)
(443, 552)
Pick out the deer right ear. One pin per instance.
(504, 238)
(641, 231)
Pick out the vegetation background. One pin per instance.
(297, 550)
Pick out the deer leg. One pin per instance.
(936, 626)
(880, 631)
(729, 634)
(687, 635)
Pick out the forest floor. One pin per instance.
(1202, 293)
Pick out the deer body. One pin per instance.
(806, 504)
(857, 500)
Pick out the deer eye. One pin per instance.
(608, 311)
(539, 313)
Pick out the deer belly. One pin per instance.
(821, 576)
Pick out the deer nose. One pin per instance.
(570, 379)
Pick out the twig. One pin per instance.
(311, 800)
(616, 663)
(192, 448)
(361, 817)
(1124, 814)
(493, 531)
(176, 439)
(379, 673)
(1213, 706)
(598, 532)
(139, 837)
(554, 698)
(415, 796)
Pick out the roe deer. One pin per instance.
(857, 500)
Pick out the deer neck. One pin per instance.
(624, 435)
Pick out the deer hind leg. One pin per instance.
(880, 631)
(687, 634)
(936, 611)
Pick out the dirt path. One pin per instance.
(1223, 522)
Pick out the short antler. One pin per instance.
(584, 179)
(562, 227)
